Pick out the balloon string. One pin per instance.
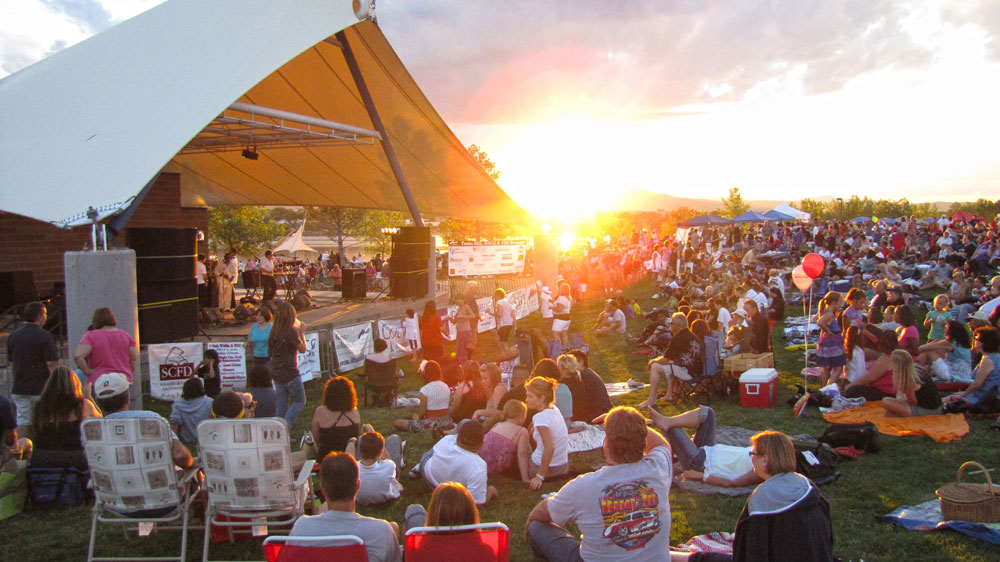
(805, 352)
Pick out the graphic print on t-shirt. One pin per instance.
(631, 514)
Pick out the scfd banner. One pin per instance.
(309, 365)
(392, 331)
(170, 364)
(351, 344)
(486, 259)
(232, 363)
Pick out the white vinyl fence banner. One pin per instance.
(351, 344)
(392, 331)
(232, 363)
(170, 364)
(309, 365)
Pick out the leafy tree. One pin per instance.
(335, 222)
(370, 226)
(290, 216)
(815, 208)
(249, 230)
(675, 217)
(484, 160)
(981, 208)
(453, 229)
(734, 205)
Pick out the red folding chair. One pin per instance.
(343, 548)
(485, 542)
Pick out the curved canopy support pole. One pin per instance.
(390, 154)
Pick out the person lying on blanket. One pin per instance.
(785, 518)
(701, 458)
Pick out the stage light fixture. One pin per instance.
(250, 153)
(390, 230)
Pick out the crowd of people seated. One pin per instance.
(727, 283)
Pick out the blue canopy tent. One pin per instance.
(704, 220)
(862, 220)
(888, 220)
(776, 216)
(750, 216)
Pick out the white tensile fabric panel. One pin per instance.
(92, 124)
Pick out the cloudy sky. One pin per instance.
(784, 99)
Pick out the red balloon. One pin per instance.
(813, 265)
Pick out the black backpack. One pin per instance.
(817, 462)
(864, 436)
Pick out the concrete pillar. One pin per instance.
(103, 279)
(546, 260)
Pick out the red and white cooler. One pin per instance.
(759, 388)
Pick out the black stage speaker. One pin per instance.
(353, 284)
(166, 287)
(17, 287)
(410, 255)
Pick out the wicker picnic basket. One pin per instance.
(963, 501)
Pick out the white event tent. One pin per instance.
(295, 245)
(787, 209)
(252, 102)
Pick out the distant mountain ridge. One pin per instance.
(643, 200)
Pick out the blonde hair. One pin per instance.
(942, 298)
(828, 300)
(514, 410)
(568, 362)
(544, 387)
(904, 376)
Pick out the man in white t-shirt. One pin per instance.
(622, 510)
(267, 282)
(455, 458)
(612, 320)
(201, 272)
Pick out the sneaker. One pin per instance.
(414, 474)
(632, 383)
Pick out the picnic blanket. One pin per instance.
(927, 517)
(587, 440)
(619, 388)
(941, 428)
(718, 542)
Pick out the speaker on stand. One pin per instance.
(166, 284)
(353, 284)
(410, 257)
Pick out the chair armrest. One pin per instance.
(304, 474)
(189, 474)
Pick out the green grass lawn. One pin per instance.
(905, 472)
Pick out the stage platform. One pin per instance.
(330, 310)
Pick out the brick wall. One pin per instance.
(30, 245)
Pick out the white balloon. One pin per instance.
(800, 278)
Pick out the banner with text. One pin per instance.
(392, 331)
(232, 363)
(170, 364)
(309, 365)
(351, 344)
(486, 259)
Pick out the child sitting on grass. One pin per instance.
(377, 475)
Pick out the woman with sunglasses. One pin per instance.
(785, 517)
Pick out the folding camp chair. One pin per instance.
(342, 548)
(135, 482)
(708, 382)
(248, 476)
(381, 379)
(485, 542)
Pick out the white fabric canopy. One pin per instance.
(787, 209)
(94, 123)
(294, 245)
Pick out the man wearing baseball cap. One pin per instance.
(111, 390)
